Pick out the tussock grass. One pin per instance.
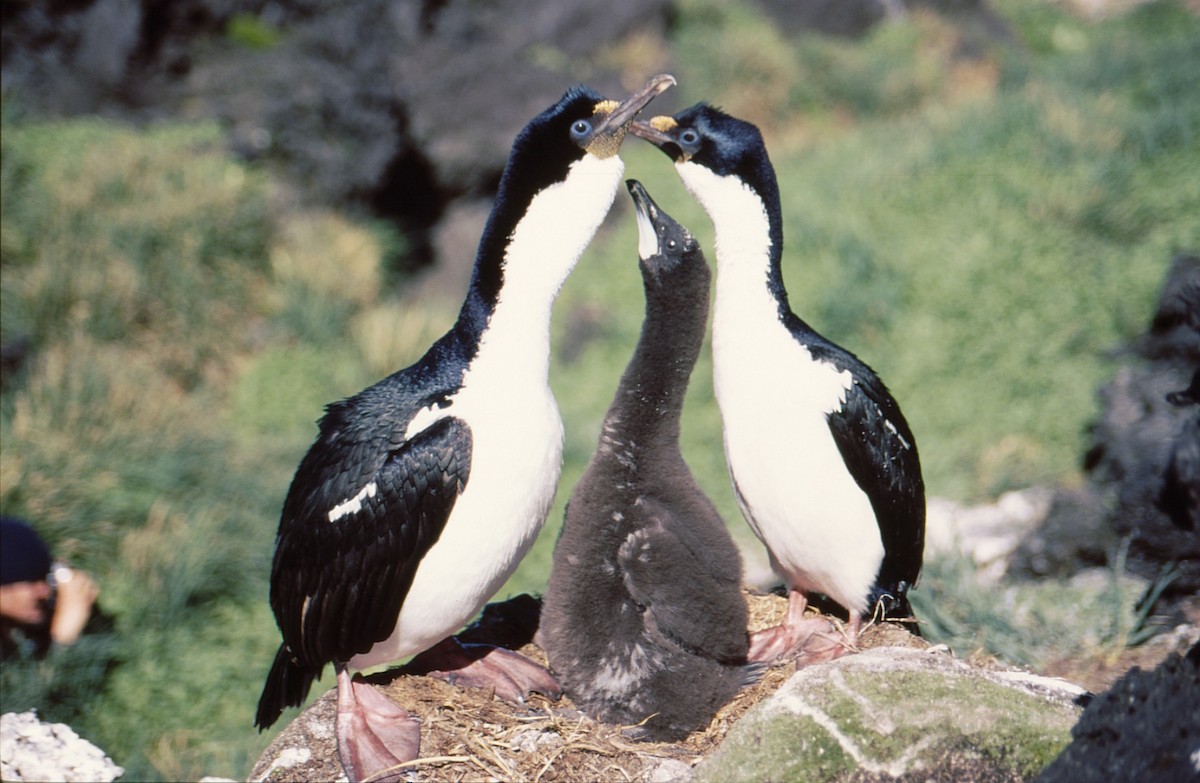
(136, 262)
(1034, 623)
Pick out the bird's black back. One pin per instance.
(880, 451)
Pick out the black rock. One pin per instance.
(400, 107)
(1179, 497)
(1145, 728)
(1075, 536)
(1141, 449)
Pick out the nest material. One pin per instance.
(467, 734)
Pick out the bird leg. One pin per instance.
(374, 734)
(510, 674)
(809, 639)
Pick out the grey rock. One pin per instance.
(897, 713)
(987, 533)
(306, 749)
(668, 771)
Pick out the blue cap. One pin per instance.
(24, 556)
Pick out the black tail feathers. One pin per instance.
(287, 684)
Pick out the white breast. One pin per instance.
(516, 428)
(774, 397)
(515, 465)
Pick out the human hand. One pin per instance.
(77, 593)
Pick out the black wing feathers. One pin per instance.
(287, 684)
(337, 586)
(881, 454)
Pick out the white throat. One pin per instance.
(737, 212)
(543, 249)
(774, 397)
(743, 239)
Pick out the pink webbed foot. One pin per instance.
(374, 734)
(807, 639)
(510, 674)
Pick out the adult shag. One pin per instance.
(423, 492)
(823, 463)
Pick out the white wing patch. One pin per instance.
(354, 504)
(426, 418)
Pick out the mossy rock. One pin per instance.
(891, 713)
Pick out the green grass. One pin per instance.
(252, 32)
(983, 231)
(137, 262)
(1034, 623)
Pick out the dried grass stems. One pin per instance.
(467, 735)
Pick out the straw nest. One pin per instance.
(466, 734)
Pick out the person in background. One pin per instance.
(41, 601)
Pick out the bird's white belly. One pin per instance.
(515, 464)
(800, 499)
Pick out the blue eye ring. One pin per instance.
(689, 138)
(581, 129)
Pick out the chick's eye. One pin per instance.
(580, 129)
(671, 244)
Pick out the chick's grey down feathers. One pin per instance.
(644, 614)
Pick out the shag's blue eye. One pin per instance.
(690, 138)
(581, 129)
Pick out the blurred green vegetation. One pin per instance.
(983, 219)
(1093, 615)
(252, 32)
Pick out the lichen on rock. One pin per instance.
(32, 749)
(890, 712)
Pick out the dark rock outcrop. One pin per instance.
(405, 109)
(1146, 727)
(1128, 465)
(401, 107)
